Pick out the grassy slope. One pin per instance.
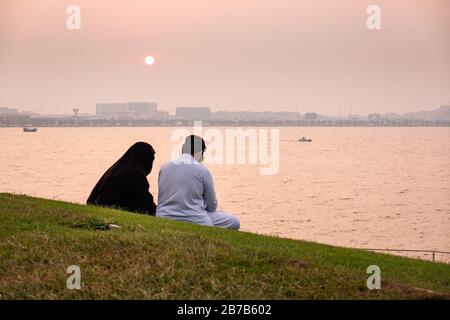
(155, 258)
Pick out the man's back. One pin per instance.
(186, 190)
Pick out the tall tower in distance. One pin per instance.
(75, 112)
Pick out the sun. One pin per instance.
(149, 60)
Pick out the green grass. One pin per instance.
(154, 258)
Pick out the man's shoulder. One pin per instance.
(202, 169)
(191, 162)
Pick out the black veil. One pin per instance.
(124, 184)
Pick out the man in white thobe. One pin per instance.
(186, 189)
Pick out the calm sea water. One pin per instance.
(354, 187)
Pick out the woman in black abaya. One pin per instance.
(124, 185)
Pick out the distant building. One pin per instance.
(14, 120)
(144, 110)
(374, 117)
(111, 110)
(8, 111)
(142, 107)
(226, 115)
(255, 116)
(311, 116)
(130, 110)
(443, 113)
(393, 115)
(193, 113)
(30, 113)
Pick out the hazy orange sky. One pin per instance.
(228, 55)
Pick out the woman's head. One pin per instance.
(141, 154)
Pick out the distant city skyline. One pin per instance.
(150, 110)
(229, 56)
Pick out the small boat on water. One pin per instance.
(29, 129)
(303, 139)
